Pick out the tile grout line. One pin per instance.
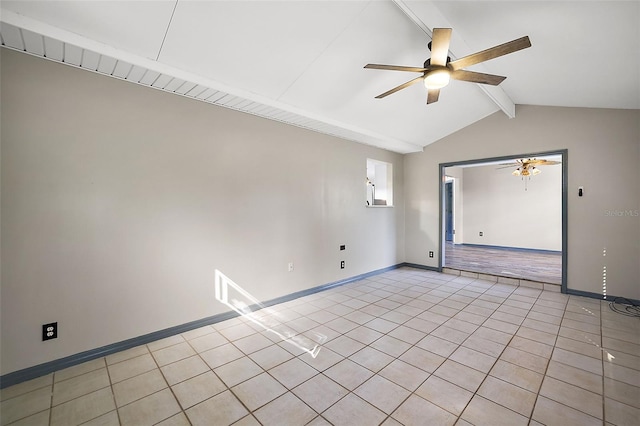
(571, 384)
(53, 382)
(604, 400)
(544, 375)
(537, 298)
(367, 345)
(387, 416)
(497, 358)
(113, 394)
(412, 393)
(198, 354)
(400, 287)
(165, 381)
(459, 345)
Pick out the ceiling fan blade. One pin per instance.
(440, 46)
(491, 53)
(477, 77)
(402, 86)
(544, 162)
(433, 95)
(394, 68)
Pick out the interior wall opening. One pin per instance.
(506, 216)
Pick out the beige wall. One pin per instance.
(119, 202)
(497, 204)
(603, 155)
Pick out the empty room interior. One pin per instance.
(320, 213)
(502, 222)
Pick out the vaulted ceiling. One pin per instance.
(301, 62)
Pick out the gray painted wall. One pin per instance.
(119, 202)
(603, 154)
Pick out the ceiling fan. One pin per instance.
(527, 167)
(438, 69)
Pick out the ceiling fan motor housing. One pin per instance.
(427, 63)
(437, 73)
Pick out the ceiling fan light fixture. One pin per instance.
(516, 172)
(437, 79)
(439, 69)
(535, 171)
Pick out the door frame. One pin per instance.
(564, 153)
(449, 199)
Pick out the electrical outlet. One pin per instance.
(290, 266)
(481, 233)
(342, 264)
(430, 254)
(49, 331)
(342, 247)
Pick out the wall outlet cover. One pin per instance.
(49, 331)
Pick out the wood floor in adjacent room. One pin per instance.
(535, 265)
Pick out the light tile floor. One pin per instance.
(408, 347)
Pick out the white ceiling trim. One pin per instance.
(21, 33)
(437, 20)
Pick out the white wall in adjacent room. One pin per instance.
(510, 214)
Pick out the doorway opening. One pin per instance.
(497, 220)
(448, 211)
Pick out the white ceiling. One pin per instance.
(302, 62)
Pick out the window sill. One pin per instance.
(378, 207)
